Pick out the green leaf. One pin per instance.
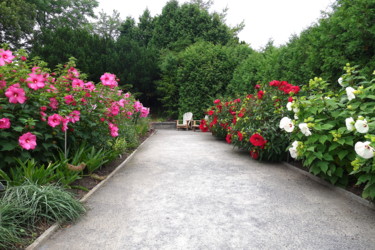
(8, 146)
(328, 157)
(333, 146)
(323, 165)
(18, 129)
(328, 126)
(315, 170)
(323, 139)
(319, 155)
(342, 154)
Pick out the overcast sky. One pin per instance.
(264, 19)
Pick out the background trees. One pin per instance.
(161, 58)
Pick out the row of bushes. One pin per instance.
(331, 131)
(55, 127)
(44, 115)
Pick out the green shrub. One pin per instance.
(332, 124)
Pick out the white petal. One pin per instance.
(304, 129)
(349, 123)
(350, 93)
(340, 81)
(283, 121)
(293, 152)
(289, 106)
(289, 127)
(361, 126)
(295, 144)
(364, 149)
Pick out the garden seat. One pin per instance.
(186, 121)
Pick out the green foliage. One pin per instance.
(333, 118)
(31, 171)
(17, 20)
(203, 71)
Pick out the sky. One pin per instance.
(264, 19)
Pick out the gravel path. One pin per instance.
(188, 190)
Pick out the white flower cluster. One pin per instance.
(363, 149)
(287, 124)
(360, 125)
(293, 150)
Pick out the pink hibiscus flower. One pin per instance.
(113, 129)
(27, 141)
(53, 103)
(55, 120)
(137, 106)
(78, 84)
(144, 112)
(35, 81)
(4, 123)
(74, 116)
(64, 122)
(6, 56)
(15, 94)
(69, 99)
(108, 80)
(3, 84)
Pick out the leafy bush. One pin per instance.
(43, 112)
(252, 122)
(336, 137)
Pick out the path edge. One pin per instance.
(52, 229)
(347, 194)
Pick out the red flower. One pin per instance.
(211, 112)
(250, 96)
(254, 154)
(275, 83)
(214, 121)
(257, 86)
(240, 136)
(234, 121)
(257, 140)
(240, 114)
(290, 99)
(295, 89)
(228, 138)
(260, 94)
(217, 101)
(203, 126)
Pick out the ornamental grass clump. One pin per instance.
(24, 206)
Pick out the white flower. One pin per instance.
(350, 93)
(296, 110)
(293, 150)
(349, 123)
(295, 117)
(286, 124)
(304, 129)
(364, 149)
(295, 144)
(361, 126)
(289, 106)
(340, 82)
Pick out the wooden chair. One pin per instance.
(186, 121)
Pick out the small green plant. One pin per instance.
(94, 158)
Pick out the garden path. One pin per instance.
(188, 190)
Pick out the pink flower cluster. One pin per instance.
(61, 101)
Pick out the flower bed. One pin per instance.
(330, 129)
